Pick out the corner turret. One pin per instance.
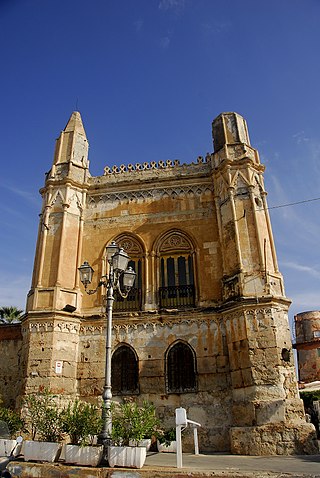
(71, 152)
(60, 231)
(229, 128)
(72, 144)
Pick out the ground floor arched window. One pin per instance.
(124, 371)
(181, 376)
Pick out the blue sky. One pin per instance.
(148, 77)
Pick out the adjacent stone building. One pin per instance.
(307, 331)
(205, 326)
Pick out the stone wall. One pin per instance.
(150, 340)
(11, 370)
(307, 331)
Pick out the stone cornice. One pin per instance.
(148, 193)
(96, 326)
(152, 324)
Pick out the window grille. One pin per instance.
(181, 369)
(124, 371)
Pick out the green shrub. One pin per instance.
(165, 437)
(81, 421)
(309, 397)
(131, 422)
(12, 419)
(43, 415)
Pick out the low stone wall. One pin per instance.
(11, 371)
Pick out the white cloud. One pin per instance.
(215, 28)
(314, 271)
(299, 184)
(164, 42)
(30, 197)
(309, 300)
(13, 291)
(300, 137)
(279, 192)
(138, 24)
(172, 4)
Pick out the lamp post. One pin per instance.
(118, 261)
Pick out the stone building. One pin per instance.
(205, 326)
(307, 331)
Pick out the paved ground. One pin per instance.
(163, 465)
(306, 464)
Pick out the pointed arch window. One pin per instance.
(124, 371)
(176, 271)
(181, 374)
(135, 251)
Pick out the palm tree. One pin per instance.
(10, 314)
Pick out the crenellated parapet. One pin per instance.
(152, 165)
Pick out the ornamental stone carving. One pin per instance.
(156, 193)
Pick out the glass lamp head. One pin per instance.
(86, 273)
(120, 260)
(111, 250)
(128, 278)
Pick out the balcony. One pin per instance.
(132, 302)
(171, 297)
(176, 297)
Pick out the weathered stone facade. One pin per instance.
(208, 280)
(11, 364)
(307, 329)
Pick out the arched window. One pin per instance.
(181, 369)
(176, 271)
(135, 251)
(124, 371)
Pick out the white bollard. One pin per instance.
(179, 446)
(196, 443)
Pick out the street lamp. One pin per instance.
(118, 262)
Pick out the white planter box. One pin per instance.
(172, 448)
(6, 447)
(41, 451)
(127, 456)
(83, 455)
(146, 442)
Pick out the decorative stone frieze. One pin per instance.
(36, 327)
(154, 194)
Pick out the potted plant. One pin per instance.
(166, 441)
(131, 424)
(43, 416)
(82, 421)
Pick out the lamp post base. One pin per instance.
(104, 440)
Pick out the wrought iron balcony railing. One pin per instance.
(181, 296)
(177, 296)
(132, 302)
